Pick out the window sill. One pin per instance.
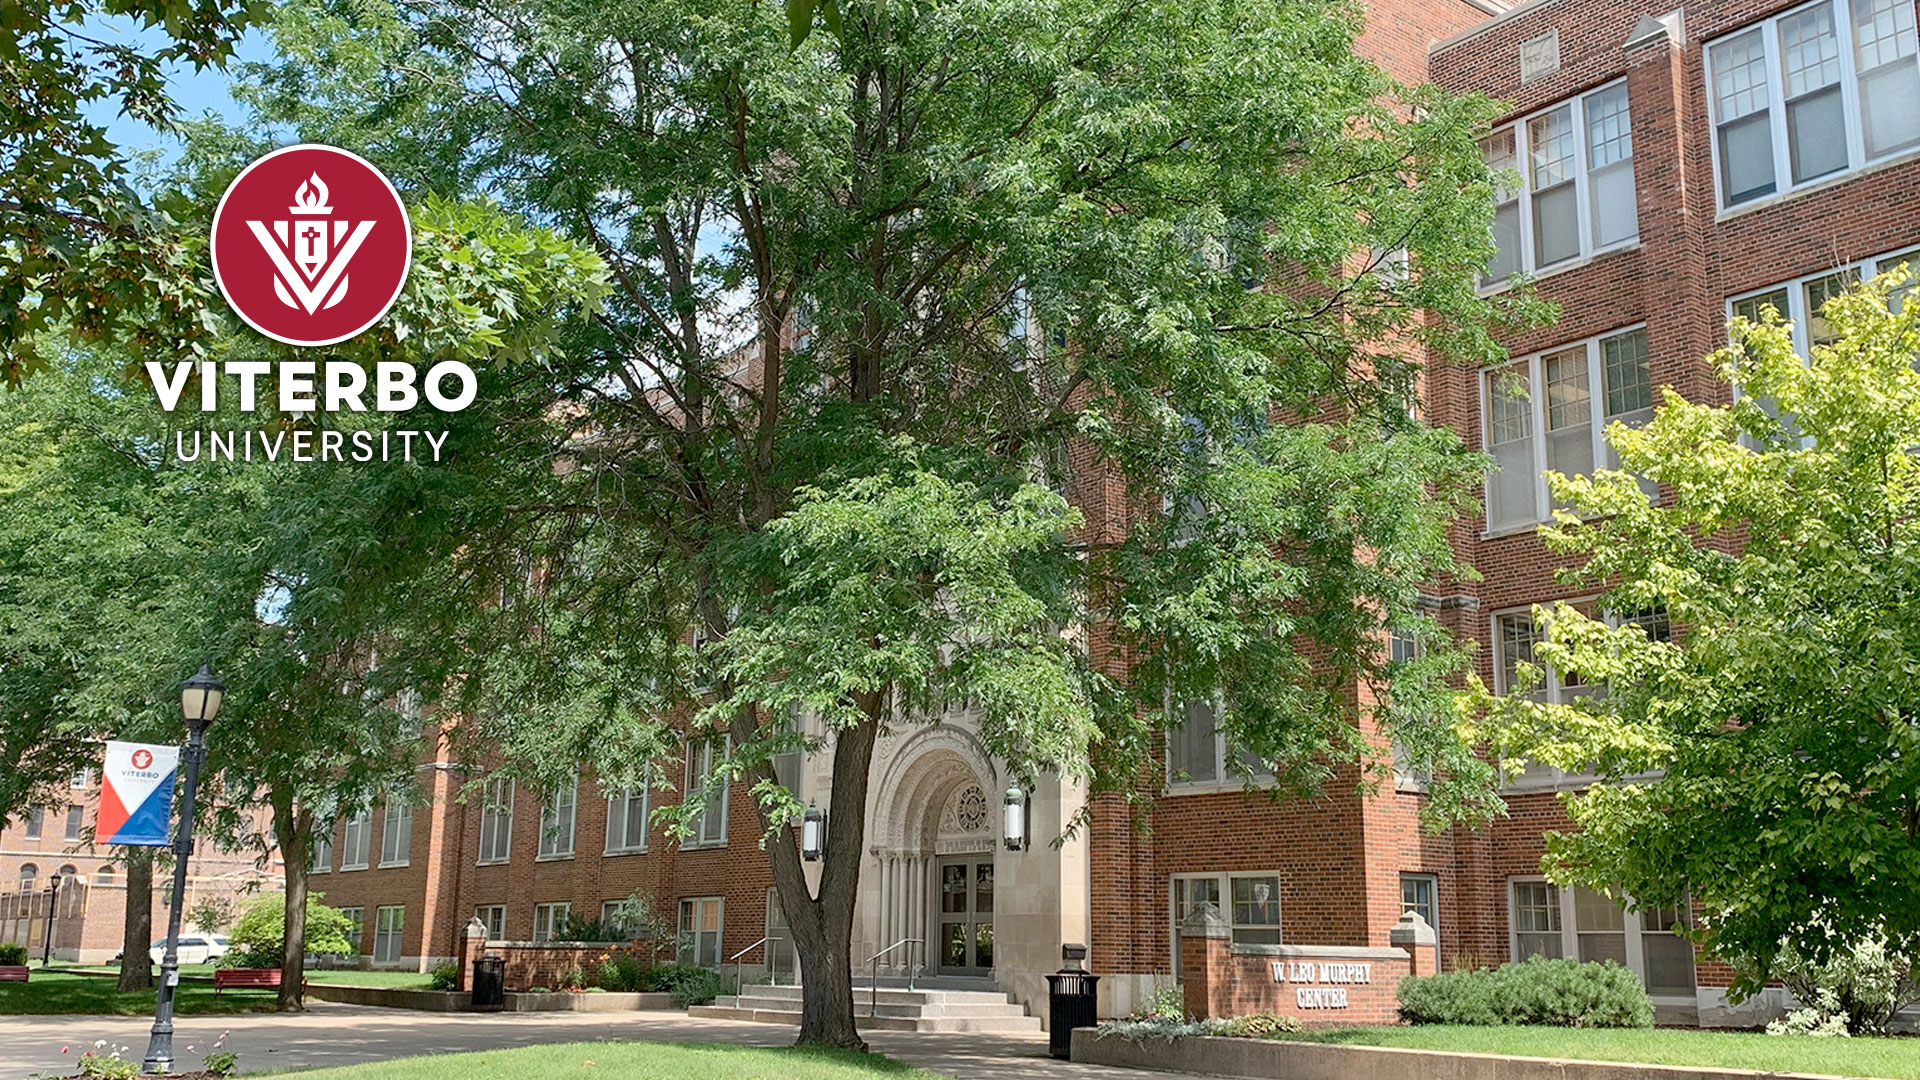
(1216, 787)
(1562, 267)
(711, 845)
(615, 852)
(1898, 158)
(391, 865)
(557, 856)
(346, 869)
(492, 862)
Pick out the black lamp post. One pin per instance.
(199, 702)
(53, 910)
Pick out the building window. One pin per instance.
(82, 778)
(494, 918)
(106, 875)
(627, 814)
(708, 828)
(320, 850)
(1198, 754)
(1802, 300)
(76, 819)
(700, 931)
(29, 877)
(36, 821)
(550, 920)
(1540, 416)
(556, 821)
(1812, 93)
(618, 916)
(357, 841)
(387, 932)
(1251, 907)
(496, 820)
(787, 763)
(396, 833)
(358, 917)
(783, 959)
(1579, 922)
(1420, 893)
(1576, 196)
(1404, 647)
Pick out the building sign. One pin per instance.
(1321, 984)
(136, 794)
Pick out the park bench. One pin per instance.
(246, 979)
(13, 973)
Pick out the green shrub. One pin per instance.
(258, 939)
(221, 1062)
(444, 976)
(111, 1066)
(1855, 991)
(13, 955)
(667, 977)
(622, 972)
(697, 986)
(1558, 993)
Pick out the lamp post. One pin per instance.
(1015, 818)
(199, 702)
(813, 834)
(53, 910)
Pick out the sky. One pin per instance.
(195, 92)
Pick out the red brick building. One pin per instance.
(1675, 166)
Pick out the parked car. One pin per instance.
(194, 948)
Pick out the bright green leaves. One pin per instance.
(1766, 763)
(800, 18)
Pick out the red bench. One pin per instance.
(13, 973)
(245, 979)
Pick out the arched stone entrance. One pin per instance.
(931, 869)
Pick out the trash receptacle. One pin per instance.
(490, 984)
(1071, 1003)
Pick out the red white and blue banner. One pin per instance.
(136, 797)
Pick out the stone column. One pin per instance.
(1414, 935)
(917, 906)
(472, 944)
(1206, 971)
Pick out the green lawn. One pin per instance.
(631, 1061)
(386, 980)
(55, 992)
(1892, 1058)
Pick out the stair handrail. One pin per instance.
(873, 970)
(739, 986)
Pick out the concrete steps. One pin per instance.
(887, 1008)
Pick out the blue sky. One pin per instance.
(196, 92)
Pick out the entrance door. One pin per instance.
(965, 943)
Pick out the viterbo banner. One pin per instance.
(136, 795)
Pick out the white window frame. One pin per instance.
(496, 821)
(1783, 183)
(559, 814)
(1223, 885)
(76, 826)
(701, 832)
(320, 856)
(81, 779)
(548, 917)
(1598, 418)
(1552, 689)
(356, 844)
(36, 822)
(691, 946)
(1432, 882)
(1798, 312)
(357, 915)
(494, 918)
(389, 941)
(1632, 923)
(1226, 776)
(396, 832)
(620, 839)
(1583, 174)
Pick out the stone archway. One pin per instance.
(932, 830)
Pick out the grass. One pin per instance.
(386, 980)
(631, 1061)
(1896, 1058)
(52, 992)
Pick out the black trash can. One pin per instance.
(1071, 1003)
(490, 984)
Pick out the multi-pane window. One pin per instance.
(1801, 301)
(556, 820)
(700, 931)
(29, 877)
(1593, 926)
(1811, 93)
(1419, 894)
(357, 925)
(627, 821)
(618, 915)
(496, 820)
(1540, 416)
(494, 918)
(783, 958)
(36, 821)
(1250, 903)
(357, 841)
(1515, 634)
(1577, 194)
(389, 928)
(1198, 753)
(320, 853)
(396, 832)
(708, 828)
(549, 920)
(787, 763)
(76, 820)
(81, 778)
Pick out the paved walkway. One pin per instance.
(330, 1034)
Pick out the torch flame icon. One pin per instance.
(315, 275)
(310, 197)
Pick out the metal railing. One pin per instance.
(873, 970)
(738, 986)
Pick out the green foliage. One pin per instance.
(221, 1063)
(12, 954)
(210, 914)
(108, 1066)
(624, 972)
(692, 986)
(444, 976)
(258, 939)
(1765, 764)
(1169, 1002)
(1538, 990)
(1855, 990)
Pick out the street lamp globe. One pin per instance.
(200, 697)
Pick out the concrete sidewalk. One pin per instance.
(329, 1034)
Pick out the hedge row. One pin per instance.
(1565, 993)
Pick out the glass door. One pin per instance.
(965, 942)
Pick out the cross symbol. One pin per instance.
(311, 232)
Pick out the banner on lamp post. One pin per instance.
(136, 794)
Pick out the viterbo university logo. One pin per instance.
(311, 245)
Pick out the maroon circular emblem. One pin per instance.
(311, 244)
(142, 758)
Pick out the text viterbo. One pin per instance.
(307, 385)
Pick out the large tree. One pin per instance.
(1764, 763)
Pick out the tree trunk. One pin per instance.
(294, 831)
(136, 964)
